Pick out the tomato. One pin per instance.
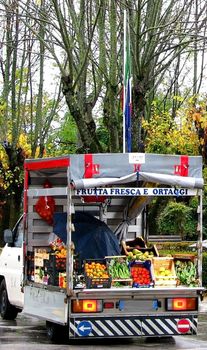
(140, 275)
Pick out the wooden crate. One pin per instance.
(185, 257)
(127, 248)
(182, 262)
(122, 282)
(160, 279)
(152, 249)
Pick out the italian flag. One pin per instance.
(127, 89)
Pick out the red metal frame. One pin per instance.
(47, 164)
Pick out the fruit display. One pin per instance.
(164, 271)
(62, 253)
(95, 270)
(137, 254)
(186, 273)
(96, 274)
(137, 246)
(62, 280)
(58, 247)
(139, 268)
(118, 269)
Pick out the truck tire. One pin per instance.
(7, 311)
(56, 332)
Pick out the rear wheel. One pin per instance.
(7, 311)
(56, 332)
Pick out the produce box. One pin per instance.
(152, 249)
(96, 274)
(139, 253)
(130, 245)
(98, 282)
(186, 270)
(118, 267)
(141, 274)
(164, 272)
(184, 257)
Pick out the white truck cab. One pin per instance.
(11, 277)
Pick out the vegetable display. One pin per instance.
(118, 269)
(140, 275)
(186, 273)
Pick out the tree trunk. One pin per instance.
(139, 104)
(90, 142)
(114, 126)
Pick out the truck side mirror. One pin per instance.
(8, 236)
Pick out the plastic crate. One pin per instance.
(90, 261)
(98, 282)
(160, 265)
(144, 264)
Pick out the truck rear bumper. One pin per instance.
(132, 326)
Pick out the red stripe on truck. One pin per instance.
(47, 164)
(182, 168)
(90, 168)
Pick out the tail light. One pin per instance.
(87, 306)
(182, 304)
(108, 305)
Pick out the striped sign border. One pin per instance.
(132, 326)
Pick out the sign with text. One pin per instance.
(136, 158)
(136, 191)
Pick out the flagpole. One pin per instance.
(124, 91)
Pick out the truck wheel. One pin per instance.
(56, 332)
(7, 311)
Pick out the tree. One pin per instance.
(19, 102)
(167, 136)
(87, 36)
(77, 39)
(161, 33)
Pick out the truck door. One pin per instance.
(14, 266)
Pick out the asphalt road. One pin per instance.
(27, 333)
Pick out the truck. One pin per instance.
(47, 266)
